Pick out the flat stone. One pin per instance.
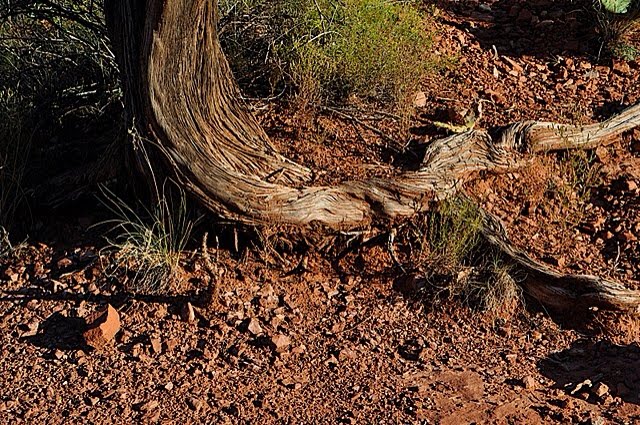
(188, 314)
(254, 327)
(600, 389)
(280, 342)
(156, 345)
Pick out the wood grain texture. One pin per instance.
(184, 102)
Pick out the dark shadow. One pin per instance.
(65, 333)
(542, 29)
(616, 366)
(60, 332)
(117, 300)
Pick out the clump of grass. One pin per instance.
(453, 232)
(491, 287)
(147, 245)
(579, 173)
(15, 146)
(330, 50)
(618, 23)
(456, 264)
(7, 249)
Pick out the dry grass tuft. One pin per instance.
(147, 246)
(447, 250)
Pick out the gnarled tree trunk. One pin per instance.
(183, 100)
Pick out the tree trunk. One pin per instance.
(183, 101)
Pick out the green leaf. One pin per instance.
(616, 6)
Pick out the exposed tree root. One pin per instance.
(184, 99)
(556, 290)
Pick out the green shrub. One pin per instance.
(328, 49)
(58, 85)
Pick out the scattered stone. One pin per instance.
(280, 342)
(151, 417)
(420, 100)
(171, 344)
(332, 361)
(266, 291)
(168, 386)
(188, 314)
(102, 326)
(627, 236)
(194, 403)
(529, 382)
(515, 67)
(347, 354)
(582, 386)
(12, 276)
(525, 15)
(93, 289)
(30, 329)
(299, 350)
(156, 345)
(600, 389)
(149, 405)
(254, 327)
(64, 262)
(621, 67)
(536, 335)
(511, 358)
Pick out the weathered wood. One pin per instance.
(182, 98)
(557, 290)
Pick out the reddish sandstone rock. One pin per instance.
(102, 326)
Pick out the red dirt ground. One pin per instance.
(334, 342)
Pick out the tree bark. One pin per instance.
(183, 101)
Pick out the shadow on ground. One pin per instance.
(541, 28)
(616, 366)
(60, 332)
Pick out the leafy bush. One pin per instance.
(331, 49)
(58, 88)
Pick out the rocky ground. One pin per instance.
(335, 341)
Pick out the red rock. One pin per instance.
(156, 345)
(194, 403)
(102, 326)
(525, 15)
(254, 327)
(149, 405)
(529, 382)
(188, 314)
(600, 390)
(64, 262)
(621, 67)
(280, 342)
(627, 236)
(420, 100)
